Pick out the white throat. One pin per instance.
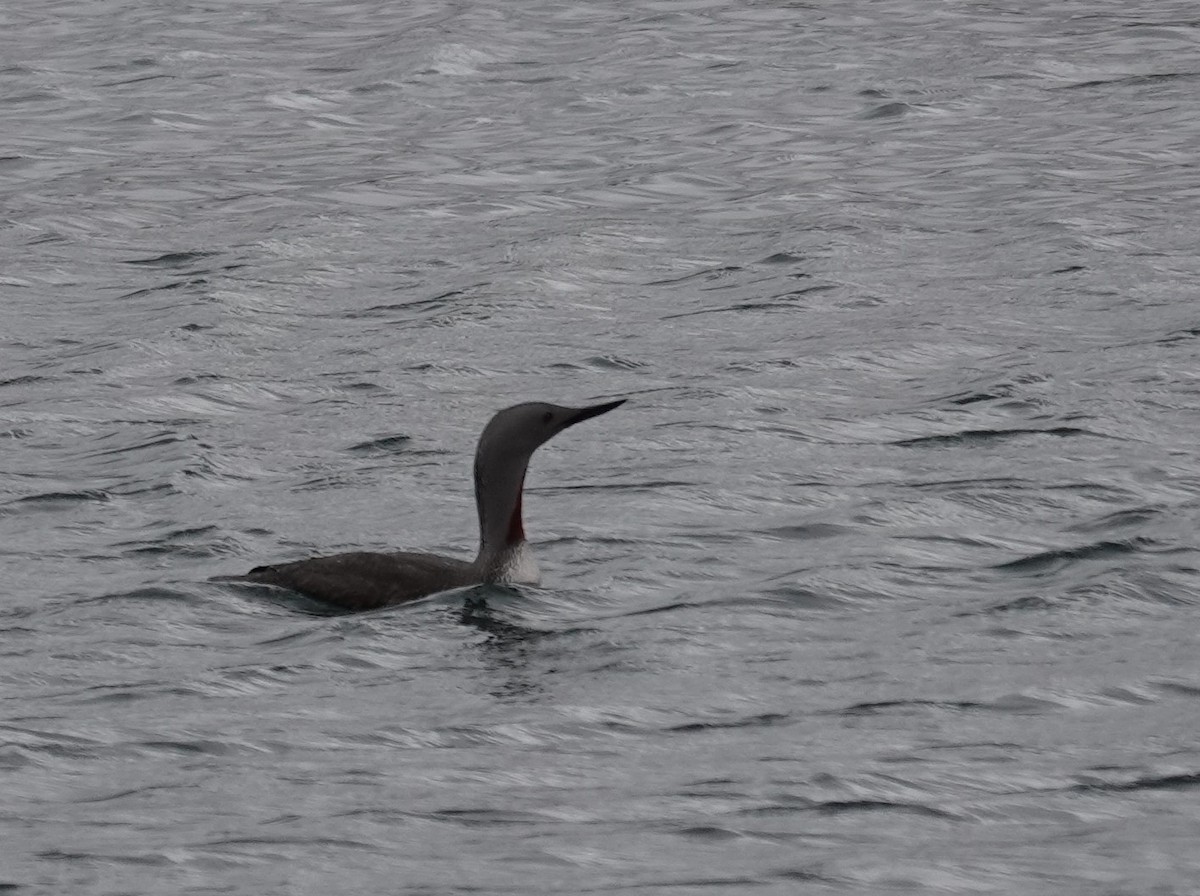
(512, 563)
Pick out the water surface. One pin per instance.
(883, 581)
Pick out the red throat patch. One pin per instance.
(516, 534)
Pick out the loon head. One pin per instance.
(507, 443)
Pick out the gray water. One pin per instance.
(883, 581)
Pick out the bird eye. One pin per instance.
(546, 417)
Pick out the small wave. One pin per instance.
(783, 302)
(886, 111)
(25, 380)
(844, 806)
(167, 287)
(49, 500)
(715, 273)
(484, 817)
(807, 531)
(198, 542)
(879, 706)
(382, 445)
(1177, 781)
(980, 436)
(1134, 516)
(158, 440)
(1054, 559)
(760, 720)
(171, 259)
(1131, 80)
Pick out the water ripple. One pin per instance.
(884, 580)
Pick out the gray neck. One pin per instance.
(498, 500)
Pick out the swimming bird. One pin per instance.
(362, 580)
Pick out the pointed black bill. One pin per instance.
(594, 411)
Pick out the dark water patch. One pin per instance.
(129, 693)
(806, 531)
(135, 489)
(760, 720)
(1186, 689)
(147, 593)
(478, 613)
(669, 607)
(689, 884)
(1131, 80)
(336, 480)
(166, 287)
(1120, 519)
(972, 485)
(192, 543)
(843, 807)
(803, 875)
(972, 437)
(484, 818)
(447, 368)
(1142, 585)
(1098, 491)
(566, 365)
(158, 440)
(890, 110)
(25, 380)
(1027, 603)
(65, 855)
(708, 833)
(1180, 781)
(614, 362)
(33, 96)
(1045, 561)
(781, 258)
(171, 259)
(1184, 335)
(714, 782)
(708, 274)
(756, 365)
(962, 399)
(47, 237)
(1125, 696)
(1024, 704)
(880, 706)
(118, 795)
(383, 445)
(807, 290)
(197, 747)
(50, 744)
(792, 596)
(308, 842)
(137, 79)
(55, 500)
(441, 300)
(188, 532)
(783, 302)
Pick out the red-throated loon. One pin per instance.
(361, 580)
